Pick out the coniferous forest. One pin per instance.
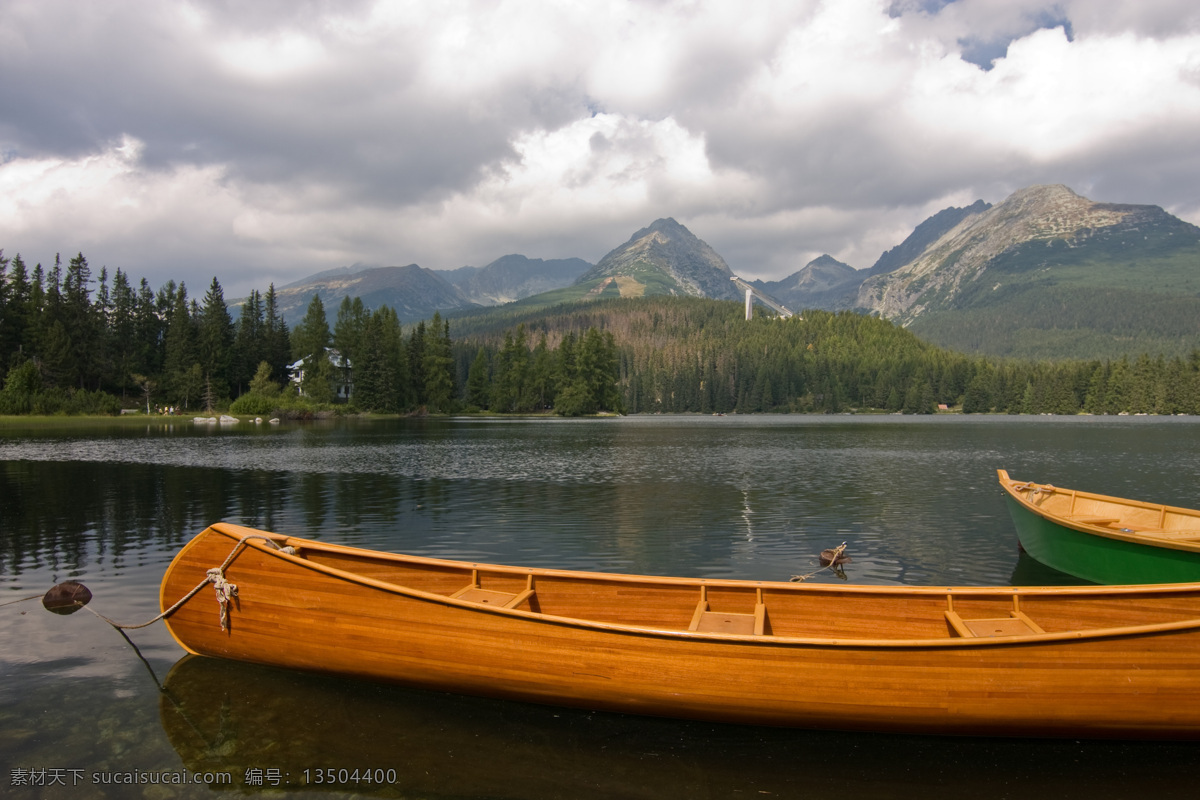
(693, 355)
(71, 343)
(74, 343)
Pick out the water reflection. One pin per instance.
(1031, 572)
(224, 716)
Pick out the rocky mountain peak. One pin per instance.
(665, 258)
(924, 235)
(1047, 212)
(1027, 228)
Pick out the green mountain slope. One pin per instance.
(1050, 274)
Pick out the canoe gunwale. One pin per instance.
(1018, 491)
(235, 535)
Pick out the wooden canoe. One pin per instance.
(1104, 539)
(1060, 661)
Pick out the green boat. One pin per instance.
(1104, 539)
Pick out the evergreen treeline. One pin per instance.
(578, 376)
(696, 355)
(68, 348)
(73, 344)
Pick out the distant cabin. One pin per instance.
(343, 370)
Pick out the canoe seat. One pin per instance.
(472, 593)
(705, 620)
(1015, 624)
(1086, 520)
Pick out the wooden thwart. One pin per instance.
(472, 593)
(704, 620)
(1015, 624)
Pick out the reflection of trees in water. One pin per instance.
(55, 514)
(260, 496)
(63, 514)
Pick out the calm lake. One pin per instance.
(85, 714)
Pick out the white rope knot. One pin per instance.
(215, 576)
(225, 592)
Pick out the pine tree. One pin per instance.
(277, 346)
(438, 365)
(403, 394)
(7, 343)
(518, 372)
(349, 331)
(372, 383)
(416, 365)
(79, 323)
(541, 377)
(122, 334)
(565, 361)
(249, 343)
(37, 317)
(215, 340)
(100, 372)
(478, 381)
(181, 362)
(505, 388)
(15, 320)
(978, 397)
(1117, 398)
(311, 336)
(58, 356)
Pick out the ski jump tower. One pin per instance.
(763, 298)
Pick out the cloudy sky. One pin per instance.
(266, 141)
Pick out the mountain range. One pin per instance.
(1046, 273)
(416, 292)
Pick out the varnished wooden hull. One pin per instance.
(1098, 662)
(1103, 539)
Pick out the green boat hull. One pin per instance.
(1098, 558)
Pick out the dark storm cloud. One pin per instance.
(360, 121)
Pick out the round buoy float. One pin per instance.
(67, 597)
(834, 556)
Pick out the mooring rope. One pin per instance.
(22, 600)
(216, 576)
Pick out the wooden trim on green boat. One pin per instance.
(1103, 525)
